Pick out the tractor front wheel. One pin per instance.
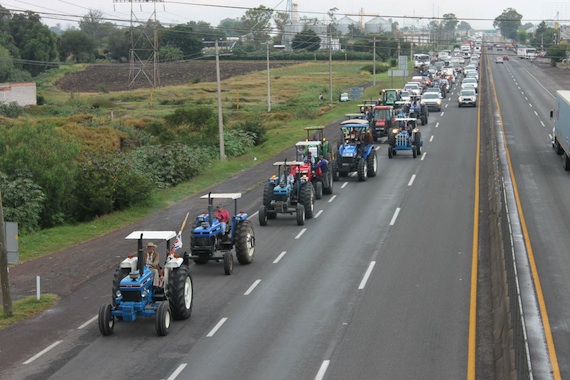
(318, 189)
(300, 214)
(245, 242)
(262, 215)
(308, 199)
(106, 320)
(180, 292)
(228, 263)
(163, 319)
(362, 169)
(372, 164)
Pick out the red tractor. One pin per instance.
(384, 118)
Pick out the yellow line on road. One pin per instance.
(472, 343)
(532, 262)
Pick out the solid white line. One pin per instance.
(332, 198)
(42, 352)
(217, 327)
(300, 233)
(344, 185)
(318, 213)
(412, 180)
(431, 138)
(87, 323)
(322, 370)
(252, 287)
(177, 372)
(437, 124)
(393, 221)
(279, 257)
(366, 275)
(423, 156)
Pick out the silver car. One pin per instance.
(467, 97)
(432, 100)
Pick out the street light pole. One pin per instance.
(268, 82)
(374, 63)
(220, 117)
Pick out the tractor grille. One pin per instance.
(281, 198)
(204, 242)
(131, 296)
(402, 139)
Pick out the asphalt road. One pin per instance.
(526, 97)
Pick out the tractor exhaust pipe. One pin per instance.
(140, 256)
(210, 208)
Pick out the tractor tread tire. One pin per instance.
(245, 242)
(180, 288)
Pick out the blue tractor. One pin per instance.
(290, 191)
(405, 136)
(208, 242)
(356, 151)
(135, 293)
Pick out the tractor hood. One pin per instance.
(347, 150)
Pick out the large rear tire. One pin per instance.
(390, 153)
(318, 189)
(245, 242)
(120, 273)
(262, 215)
(163, 319)
(106, 320)
(300, 214)
(308, 199)
(268, 193)
(362, 170)
(180, 292)
(372, 164)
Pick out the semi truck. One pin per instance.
(561, 132)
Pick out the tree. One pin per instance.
(257, 24)
(556, 53)
(182, 36)
(34, 40)
(6, 64)
(280, 19)
(119, 45)
(544, 36)
(231, 27)
(522, 36)
(307, 39)
(508, 23)
(464, 26)
(92, 24)
(77, 45)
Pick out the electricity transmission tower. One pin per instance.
(143, 54)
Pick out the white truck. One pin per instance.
(561, 132)
(521, 52)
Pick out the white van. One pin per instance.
(421, 59)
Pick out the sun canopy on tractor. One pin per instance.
(222, 196)
(151, 235)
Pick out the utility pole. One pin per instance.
(220, 117)
(268, 82)
(374, 63)
(6, 296)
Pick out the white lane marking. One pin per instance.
(442, 114)
(377, 147)
(279, 257)
(541, 123)
(550, 136)
(525, 98)
(393, 221)
(536, 113)
(447, 104)
(318, 213)
(423, 156)
(437, 124)
(344, 185)
(87, 323)
(300, 233)
(252, 287)
(177, 372)
(366, 275)
(322, 370)
(412, 180)
(431, 138)
(530, 104)
(217, 327)
(332, 198)
(43, 352)
(252, 215)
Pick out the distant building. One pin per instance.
(343, 25)
(418, 38)
(22, 93)
(377, 25)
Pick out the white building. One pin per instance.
(377, 25)
(22, 93)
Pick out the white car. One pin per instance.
(467, 97)
(414, 88)
(469, 82)
(432, 100)
(499, 60)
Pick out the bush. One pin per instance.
(380, 68)
(255, 128)
(23, 201)
(237, 142)
(11, 110)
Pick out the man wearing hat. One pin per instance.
(152, 261)
(309, 159)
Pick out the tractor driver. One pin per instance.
(152, 261)
(309, 159)
(223, 217)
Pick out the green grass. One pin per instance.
(26, 308)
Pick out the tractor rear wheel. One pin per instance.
(268, 193)
(262, 215)
(106, 320)
(245, 242)
(329, 189)
(163, 319)
(318, 189)
(390, 153)
(180, 292)
(120, 273)
(300, 214)
(362, 170)
(228, 262)
(372, 164)
(308, 199)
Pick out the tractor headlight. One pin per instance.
(117, 294)
(395, 131)
(144, 294)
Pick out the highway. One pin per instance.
(379, 285)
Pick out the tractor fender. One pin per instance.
(367, 150)
(130, 262)
(174, 262)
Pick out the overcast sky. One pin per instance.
(479, 13)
